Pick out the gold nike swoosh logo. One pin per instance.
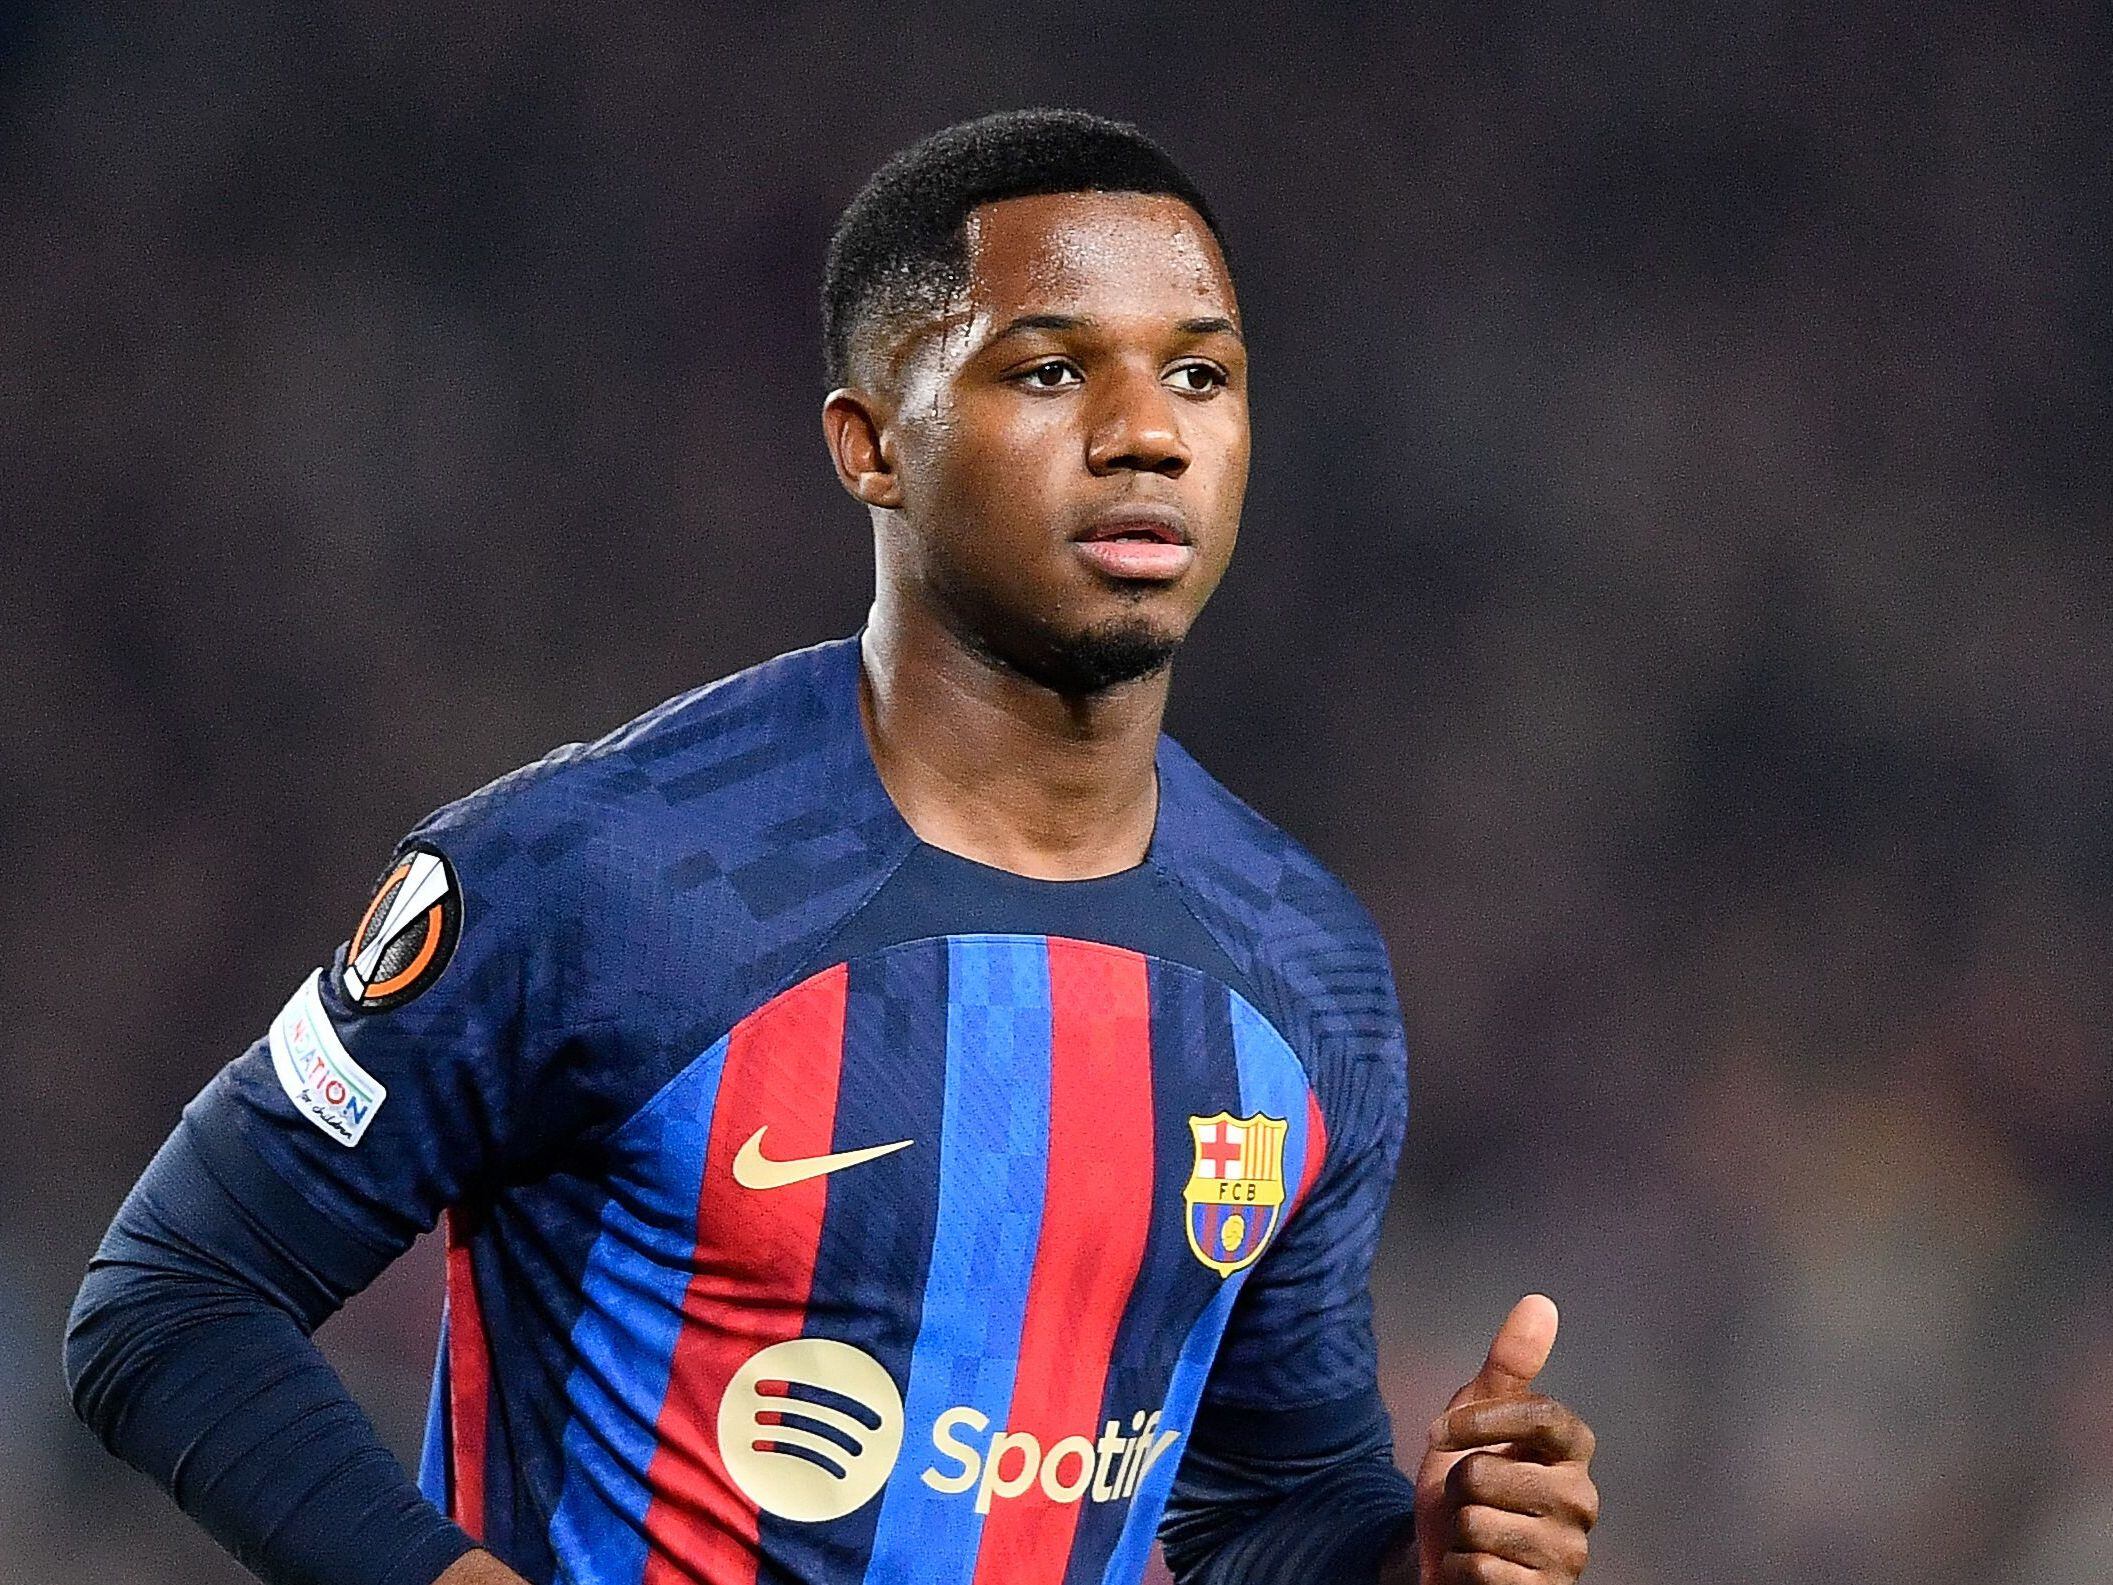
(754, 1170)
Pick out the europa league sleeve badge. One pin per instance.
(407, 934)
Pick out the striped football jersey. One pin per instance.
(822, 1206)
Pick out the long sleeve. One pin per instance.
(416, 1071)
(1288, 1496)
(1289, 1477)
(189, 1354)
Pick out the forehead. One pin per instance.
(1094, 254)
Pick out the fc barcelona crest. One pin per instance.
(1235, 1193)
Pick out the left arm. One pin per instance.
(1504, 1494)
(1289, 1476)
(1280, 1495)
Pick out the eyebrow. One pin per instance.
(1211, 324)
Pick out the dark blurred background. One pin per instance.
(1675, 593)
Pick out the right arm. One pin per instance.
(189, 1353)
(420, 1079)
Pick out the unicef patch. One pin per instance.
(316, 1071)
(407, 934)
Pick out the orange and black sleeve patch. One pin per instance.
(406, 936)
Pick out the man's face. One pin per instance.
(1071, 436)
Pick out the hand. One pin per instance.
(478, 1568)
(1503, 1496)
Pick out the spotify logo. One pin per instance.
(810, 1429)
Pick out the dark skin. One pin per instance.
(1093, 367)
(1504, 1494)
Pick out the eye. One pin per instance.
(1197, 379)
(1051, 374)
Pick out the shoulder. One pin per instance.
(732, 747)
(723, 827)
(1311, 948)
(1259, 881)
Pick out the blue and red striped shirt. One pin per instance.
(822, 1206)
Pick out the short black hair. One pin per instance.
(900, 243)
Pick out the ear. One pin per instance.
(856, 434)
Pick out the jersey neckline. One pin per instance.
(844, 702)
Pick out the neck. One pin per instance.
(987, 764)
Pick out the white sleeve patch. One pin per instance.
(316, 1071)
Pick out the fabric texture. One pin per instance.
(1122, 1150)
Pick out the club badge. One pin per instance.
(1235, 1191)
(407, 934)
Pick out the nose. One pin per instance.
(1136, 428)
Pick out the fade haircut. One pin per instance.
(901, 246)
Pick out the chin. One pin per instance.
(1126, 649)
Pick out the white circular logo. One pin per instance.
(810, 1429)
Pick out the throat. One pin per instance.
(995, 770)
(1052, 843)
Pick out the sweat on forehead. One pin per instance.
(901, 245)
(1069, 244)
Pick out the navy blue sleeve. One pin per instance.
(428, 1064)
(1290, 1473)
(422, 1067)
(189, 1354)
(1279, 1497)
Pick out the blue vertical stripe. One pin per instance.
(433, 1451)
(1272, 1083)
(994, 1148)
(624, 1340)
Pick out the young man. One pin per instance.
(897, 1118)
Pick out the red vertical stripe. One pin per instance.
(1095, 1212)
(1316, 1148)
(469, 1384)
(754, 1267)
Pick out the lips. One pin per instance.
(1138, 543)
(1140, 529)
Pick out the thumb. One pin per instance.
(1517, 1355)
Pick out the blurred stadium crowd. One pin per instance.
(1675, 593)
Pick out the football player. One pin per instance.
(896, 1117)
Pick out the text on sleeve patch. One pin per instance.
(316, 1071)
